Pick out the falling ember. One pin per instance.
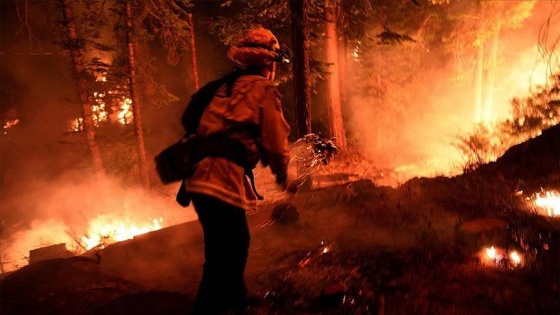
(103, 231)
(550, 202)
(9, 124)
(326, 250)
(304, 262)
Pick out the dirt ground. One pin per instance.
(352, 248)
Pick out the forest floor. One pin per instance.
(351, 248)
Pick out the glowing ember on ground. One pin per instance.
(549, 201)
(515, 258)
(120, 107)
(491, 253)
(105, 230)
(11, 123)
(498, 257)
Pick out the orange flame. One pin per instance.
(105, 230)
(550, 202)
(125, 114)
(121, 110)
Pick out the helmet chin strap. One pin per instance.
(271, 71)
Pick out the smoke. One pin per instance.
(411, 128)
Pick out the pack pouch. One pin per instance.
(176, 162)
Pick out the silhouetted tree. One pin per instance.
(75, 46)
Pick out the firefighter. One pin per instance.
(220, 189)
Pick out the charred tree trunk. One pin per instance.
(336, 122)
(136, 105)
(300, 43)
(193, 52)
(75, 47)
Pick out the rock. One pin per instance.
(285, 213)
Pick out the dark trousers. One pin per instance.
(226, 246)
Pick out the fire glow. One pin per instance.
(121, 109)
(9, 124)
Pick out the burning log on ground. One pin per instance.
(49, 252)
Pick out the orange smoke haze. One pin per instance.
(413, 130)
(82, 212)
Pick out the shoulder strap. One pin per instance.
(200, 100)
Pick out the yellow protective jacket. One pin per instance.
(254, 101)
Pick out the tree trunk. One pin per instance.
(193, 52)
(75, 47)
(136, 106)
(336, 122)
(300, 43)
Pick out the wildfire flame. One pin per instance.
(549, 201)
(121, 110)
(125, 114)
(105, 230)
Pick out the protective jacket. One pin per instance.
(253, 102)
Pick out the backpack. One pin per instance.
(177, 162)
